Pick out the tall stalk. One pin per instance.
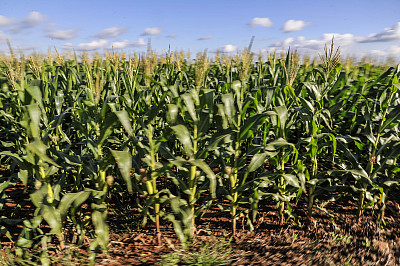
(193, 176)
(372, 158)
(153, 182)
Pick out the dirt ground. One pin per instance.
(345, 243)
(326, 243)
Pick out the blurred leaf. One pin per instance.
(38, 148)
(183, 135)
(229, 106)
(187, 98)
(124, 161)
(74, 199)
(123, 117)
(257, 161)
(392, 118)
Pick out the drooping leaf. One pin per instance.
(38, 148)
(291, 180)
(124, 161)
(250, 125)
(229, 106)
(190, 107)
(74, 199)
(183, 135)
(257, 161)
(125, 121)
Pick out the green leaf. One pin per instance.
(282, 113)
(100, 225)
(106, 128)
(314, 89)
(172, 113)
(390, 183)
(38, 148)
(75, 199)
(125, 121)
(53, 218)
(183, 135)
(291, 180)
(306, 104)
(34, 115)
(124, 161)
(250, 125)
(38, 196)
(359, 172)
(208, 99)
(278, 143)
(210, 174)
(182, 226)
(4, 231)
(348, 153)
(204, 124)
(381, 77)
(4, 185)
(15, 157)
(190, 107)
(392, 118)
(216, 141)
(229, 106)
(179, 182)
(36, 94)
(257, 161)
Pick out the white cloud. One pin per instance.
(344, 40)
(262, 51)
(285, 43)
(392, 51)
(263, 22)
(68, 46)
(294, 25)
(205, 37)
(387, 35)
(91, 46)
(34, 18)
(171, 36)
(151, 31)
(139, 43)
(121, 45)
(112, 32)
(62, 34)
(229, 48)
(125, 44)
(5, 21)
(375, 53)
(264, 38)
(26, 48)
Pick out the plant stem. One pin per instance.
(234, 179)
(282, 191)
(153, 183)
(192, 180)
(311, 191)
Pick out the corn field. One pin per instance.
(179, 136)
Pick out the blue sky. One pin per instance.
(366, 27)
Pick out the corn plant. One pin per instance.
(179, 136)
(190, 120)
(378, 118)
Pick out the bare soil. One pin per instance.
(343, 242)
